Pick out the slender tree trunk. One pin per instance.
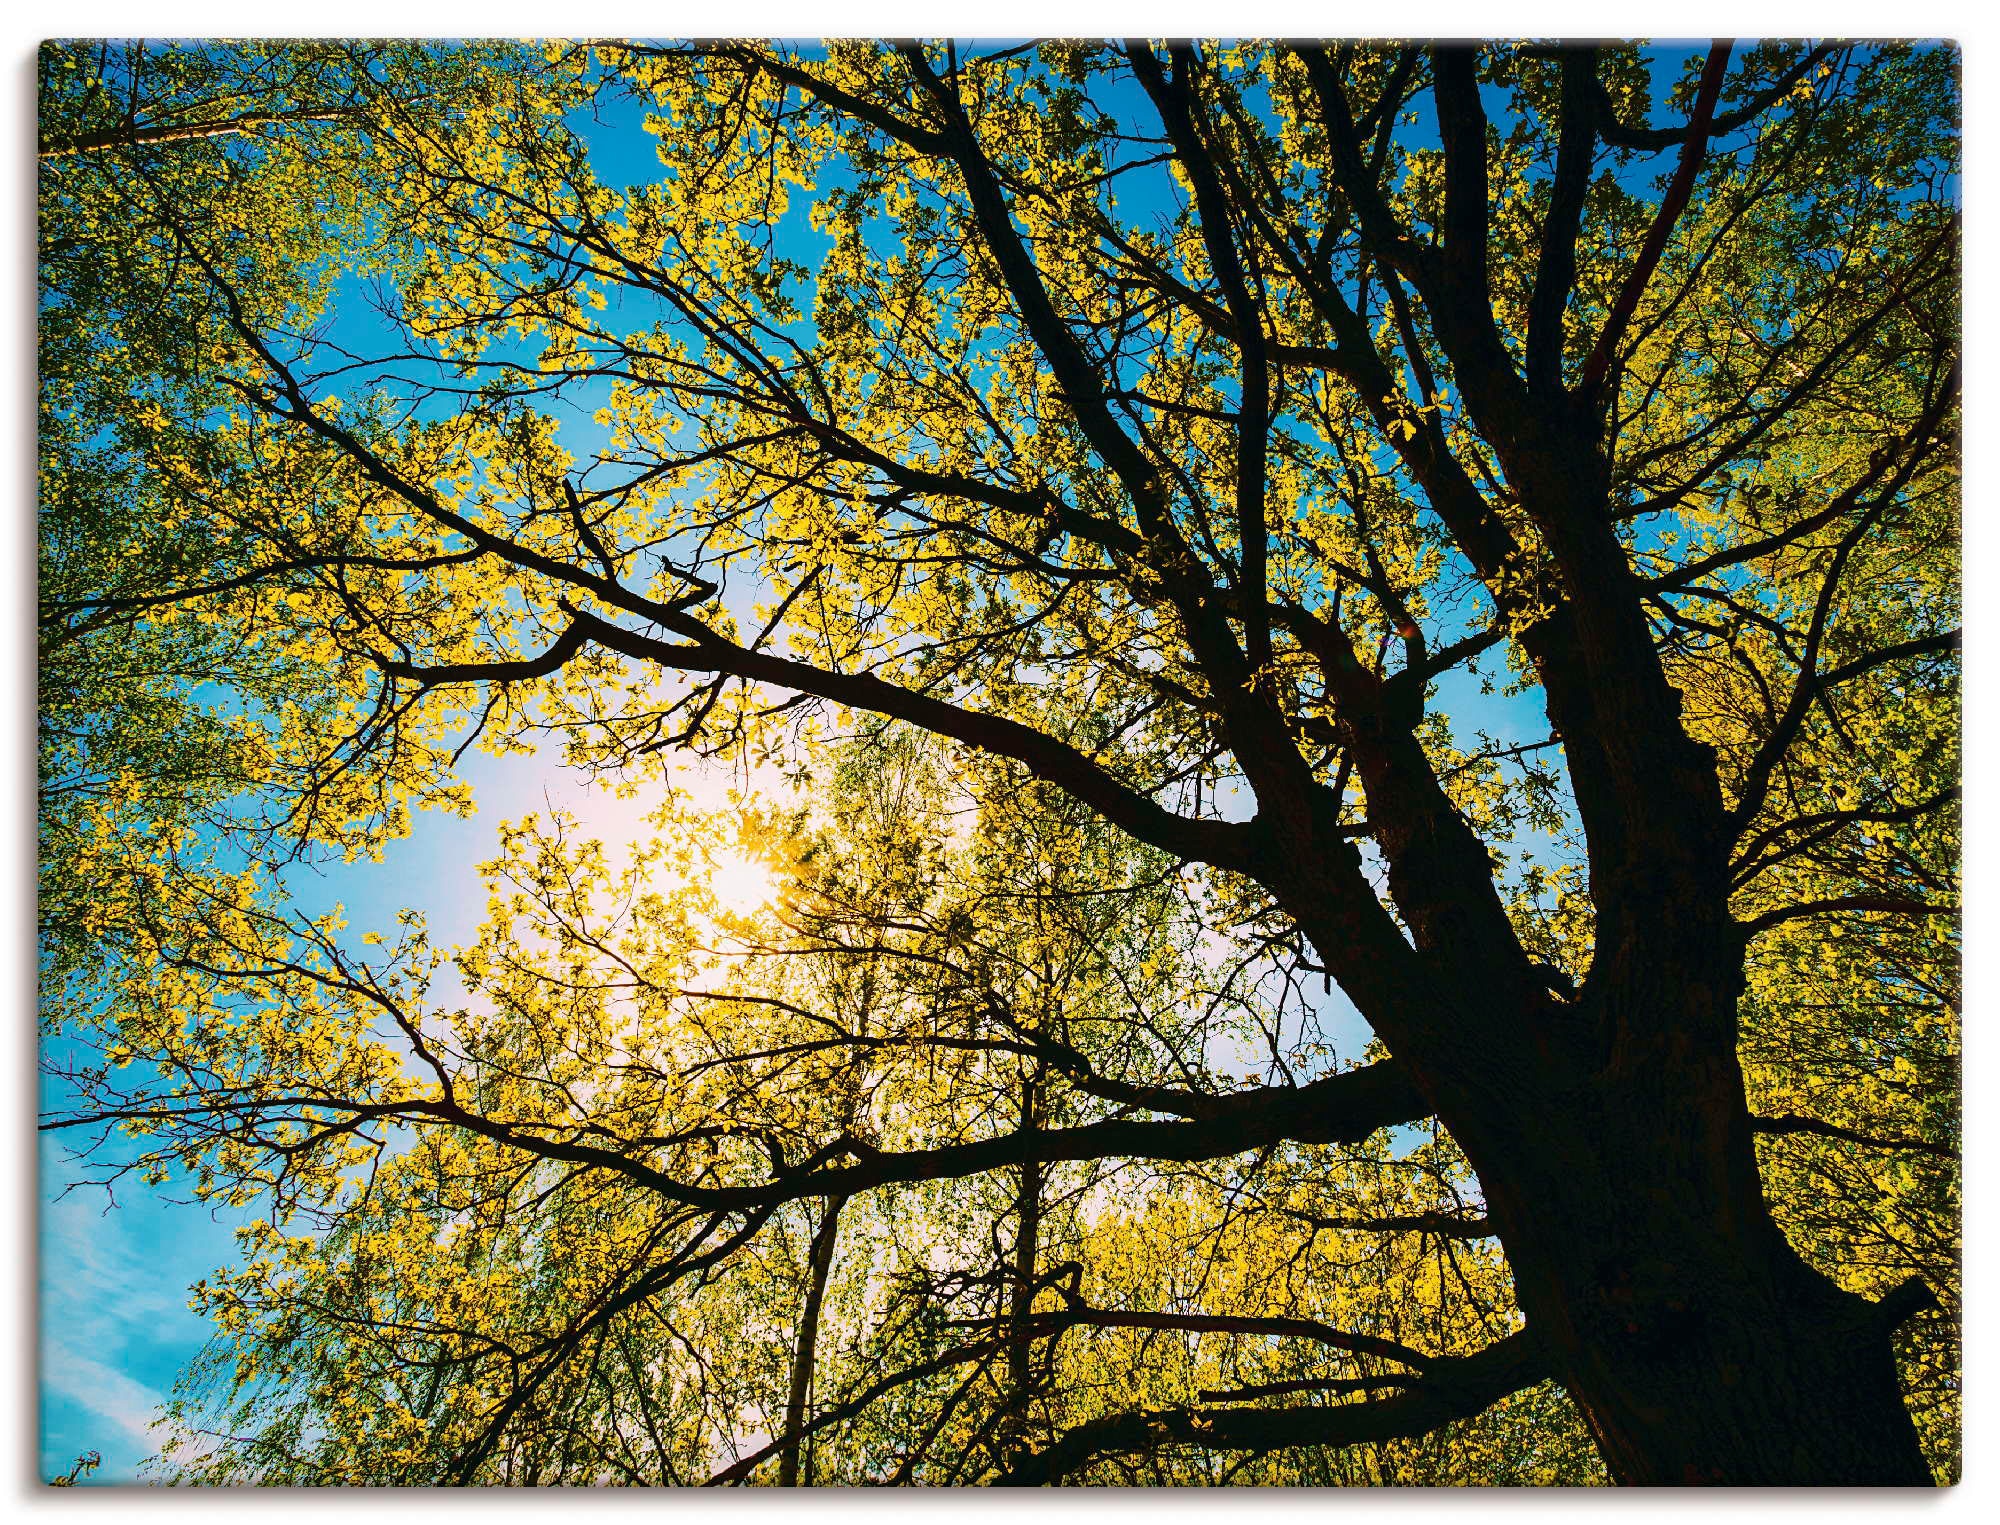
(820, 1264)
(1013, 1418)
(1021, 1295)
(1027, 1250)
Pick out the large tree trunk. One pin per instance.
(1748, 1386)
(1615, 1145)
(1697, 1344)
(1706, 1352)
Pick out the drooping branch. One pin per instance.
(963, 1355)
(1440, 1224)
(1881, 905)
(553, 1351)
(132, 135)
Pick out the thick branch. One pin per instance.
(1215, 1323)
(1887, 905)
(1653, 139)
(1693, 151)
(1555, 271)
(1793, 1122)
(1454, 1389)
(1462, 130)
(1342, 1108)
(1224, 843)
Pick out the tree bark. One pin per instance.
(1699, 1347)
(1697, 1344)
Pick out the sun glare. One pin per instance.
(741, 883)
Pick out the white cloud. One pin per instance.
(107, 1393)
(95, 1278)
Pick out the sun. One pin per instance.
(742, 883)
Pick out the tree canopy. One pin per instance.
(1361, 643)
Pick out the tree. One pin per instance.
(1175, 435)
(81, 1468)
(154, 712)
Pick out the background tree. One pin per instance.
(156, 715)
(1182, 434)
(916, 982)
